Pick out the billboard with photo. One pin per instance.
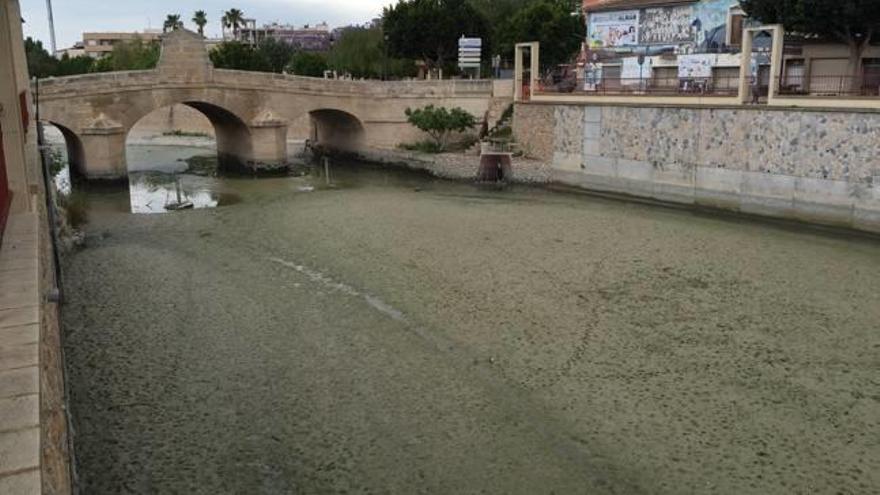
(613, 29)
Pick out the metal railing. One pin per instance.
(656, 86)
(830, 86)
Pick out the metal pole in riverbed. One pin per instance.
(327, 170)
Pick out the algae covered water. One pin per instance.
(393, 333)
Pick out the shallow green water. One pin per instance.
(394, 333)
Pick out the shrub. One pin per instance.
(76, 205)
(56, 162)
(440, 122)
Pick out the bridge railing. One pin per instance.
(97, 81)
(449, 87)
(107, 81)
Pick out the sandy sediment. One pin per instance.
(405, 335)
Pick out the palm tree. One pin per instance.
(172, 22)
(200, 19)
(233, 19)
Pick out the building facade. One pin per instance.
(317, 38)
(77, 50)
(15, 115)
(695, 45)
(97, 44)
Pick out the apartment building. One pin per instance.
(99, 44)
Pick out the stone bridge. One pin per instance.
(250, 111)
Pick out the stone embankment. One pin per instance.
(813, 166)
(457, 166)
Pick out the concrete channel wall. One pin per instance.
(818, 166)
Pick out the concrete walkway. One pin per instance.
(19, 358)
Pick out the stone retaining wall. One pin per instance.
(459, 166)
(821, 167)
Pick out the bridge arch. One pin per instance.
(102, 108)
(76, 154)
(233, 136)
(337, 129)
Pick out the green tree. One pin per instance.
(71, 66)
(40, 62)
(497, 13)
(854, 22)
(275, 55)
(549, 21)
(238, 56)
(172, 22)
(130, 55)
(359, 52)
(233, 19)
(200, 19)
(429, 30)
(440, 122)
(308, 64)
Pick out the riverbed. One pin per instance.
(382, 331)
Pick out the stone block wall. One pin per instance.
(456, 166)
(815, 166)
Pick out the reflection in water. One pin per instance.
(163, 178)
(155, 192)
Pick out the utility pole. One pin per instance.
(51, 27)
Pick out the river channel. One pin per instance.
(382, 331)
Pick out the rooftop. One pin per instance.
(608, 5)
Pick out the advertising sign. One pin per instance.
(614, 29)
(470, 52)
(696, 66)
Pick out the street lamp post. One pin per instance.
(385, 60)
(51, 27)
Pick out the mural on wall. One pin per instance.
(702, 26)
(614, 29)
(666, 25)
(710, 22)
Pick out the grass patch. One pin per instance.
(423, 147)
(56, 161)
(76, 206)
(204, 165)
(180, 133)
(434, 147)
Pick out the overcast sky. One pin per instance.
(73, 17)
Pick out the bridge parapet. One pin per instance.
(314, 85)
(90, 84)
(86, 84)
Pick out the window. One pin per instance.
(735, 21)
(871, 76)
(795, 72)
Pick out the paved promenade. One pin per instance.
(19, 362)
